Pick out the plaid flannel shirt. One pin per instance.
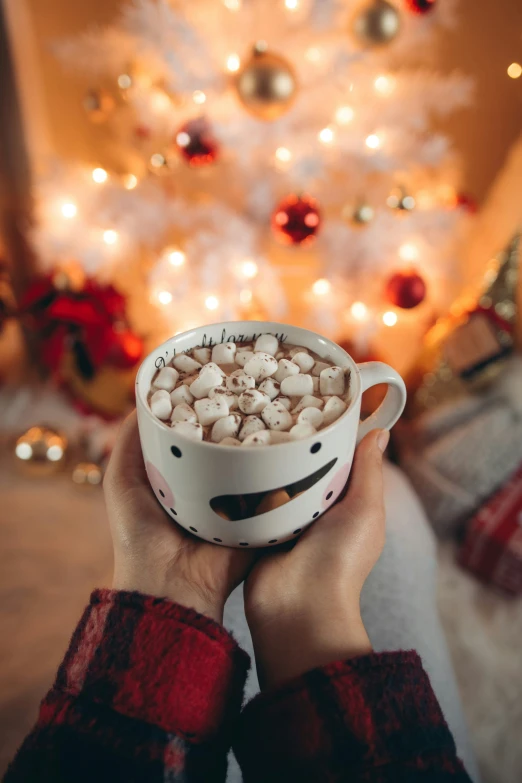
(152, 691)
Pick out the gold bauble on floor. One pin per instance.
(87, 474)
(41, 449)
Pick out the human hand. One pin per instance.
(302, 604)
(152, 554)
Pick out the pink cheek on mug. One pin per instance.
(336, 485)
(160, 487)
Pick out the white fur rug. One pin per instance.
(484, 632)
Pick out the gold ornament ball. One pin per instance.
(360, 216)
(87, 473)
(378, 23)
(266, 85)
(401, 200)
(98, 104)
(160, 165)
(41, 448)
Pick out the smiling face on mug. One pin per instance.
(264, 485)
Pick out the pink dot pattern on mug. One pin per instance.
(336, 485)
(160, 487)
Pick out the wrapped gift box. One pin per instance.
(492, 549)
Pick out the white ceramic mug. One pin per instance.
(187, 476)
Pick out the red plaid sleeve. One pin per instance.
(148, 691)
(373, 719)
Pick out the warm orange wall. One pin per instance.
(71, 135)
(487, 39)
(485, 42)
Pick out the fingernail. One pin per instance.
(382, 439)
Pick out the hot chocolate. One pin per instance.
(249, 394)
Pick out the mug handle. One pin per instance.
(372, 373)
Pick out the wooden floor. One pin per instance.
(49, 563)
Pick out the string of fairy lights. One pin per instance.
(246, 270)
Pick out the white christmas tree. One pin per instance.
(242, 126)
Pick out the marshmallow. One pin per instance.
(209, 377)
(267, 343)
(181, 394)
(261, 438)
(300, 431)
(285, 368)
(308, 401)
(188, 430)
(224, 353)
(319, 367)
(166, 379)
(297, 385)
(270, 387)
(230, 442)
(183, 412)
(261, 366)
(334, 408)
(276, 416)
(304, 361)
(222, 393)
(331, 381)
(185, 363)
(250, 425)
(277, 436)
(240, 382)
(202, 355)
(311, 416)
(160, 404)
(215, 367)
(227, 427)
(297, 349)
(282, 393)
(242, 357)
(253, 401)
(209, 411)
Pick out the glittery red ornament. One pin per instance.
(196, 143)
(466, 202)
(420, 6)
(296, 220)
(405, 290)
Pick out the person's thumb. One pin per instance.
(365, 492)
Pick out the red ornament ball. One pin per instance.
(296, 220)
(466, 202)
(196, 142)
(420, 6)
(405, 290)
